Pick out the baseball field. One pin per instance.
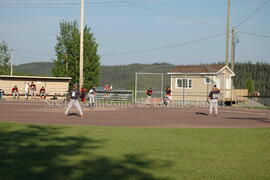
(38, 142)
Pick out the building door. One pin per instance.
(218, 83)
(228, 83)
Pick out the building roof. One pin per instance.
(35, 77)
(199, 69)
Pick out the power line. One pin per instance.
(30, 52)
(165, 47)
(254, 34)
(163, 13)
(137, 51)
(69, 4)
(92, 2)
(111, 3)
(253, 13)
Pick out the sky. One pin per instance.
(140, 31)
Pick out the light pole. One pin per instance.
(81, 44)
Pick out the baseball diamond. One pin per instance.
(195, 117)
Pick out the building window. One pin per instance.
(207, 80)
(184, 83)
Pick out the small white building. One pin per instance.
(193, 83)
(53, 85)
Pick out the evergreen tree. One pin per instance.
(68, 54)
(250, 86)
(4, 58)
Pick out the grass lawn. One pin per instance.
(65, 152)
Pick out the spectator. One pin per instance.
(33, 90)
(106, 91)
(26, 89)
(1, 94)
(42, 93)
(83, 92)
(110, 88)
(106, 87)
(15, 92)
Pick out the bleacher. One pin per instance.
(115, 95)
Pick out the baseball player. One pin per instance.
(168, 96)
(213, 100)
(91, 95)
(149, 93)
(74, 95)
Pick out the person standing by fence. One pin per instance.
(149, 93)
(106, 92)
(91, 95)
(1, 94)
(213, 100)
(33, 90)
(74, 95)
(83, 94)
(26, 89)
(167, 98)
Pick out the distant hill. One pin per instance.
(123, 76)
(36, 68)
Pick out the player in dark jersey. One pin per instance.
(213, 99)
(74, 95)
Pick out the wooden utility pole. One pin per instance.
(66, 61)
(11, 64)
(81, 44)
(233, 49)
(232, 63)
(228, 33)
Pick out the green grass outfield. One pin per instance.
(76, 152)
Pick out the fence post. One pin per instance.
(135, 96)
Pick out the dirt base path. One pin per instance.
(40, 113)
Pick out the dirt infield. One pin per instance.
(41, 113)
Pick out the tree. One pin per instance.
(4, 58)
(68, 55)
(250, 86)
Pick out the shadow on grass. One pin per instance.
(40, 152)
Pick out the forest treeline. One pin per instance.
(258, 72)
(123, 76)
